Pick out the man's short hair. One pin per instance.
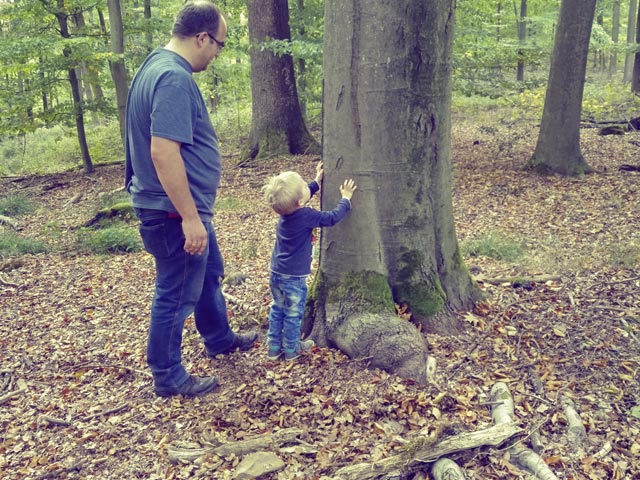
(196, 16)
(283, 192)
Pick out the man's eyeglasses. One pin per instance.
(219, 43)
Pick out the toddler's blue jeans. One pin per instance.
(185, 284)
(285, 316)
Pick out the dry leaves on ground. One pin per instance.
(77, 398)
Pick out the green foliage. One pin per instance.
(107, 200)
(13, 244)
(625, 254)
(117, 238)
(14, 205)
(230, 203)
(611, 101)
(54, 149)
(493, 245)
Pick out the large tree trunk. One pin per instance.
(558, 146)
(277, 125)
(387, 77)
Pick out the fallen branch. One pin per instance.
(68, 423)
(520, 456)
(577, 433)
(192, 452)
(8, 396)
(5, 283)
(429, 453)
(75, 199)
(519, 281)
(629, 168)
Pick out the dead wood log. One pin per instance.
(192, 451)
(446, 469)
(577, 434)
(418, 453)
(524, 458)
(629, 168)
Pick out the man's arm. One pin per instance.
(169, 166)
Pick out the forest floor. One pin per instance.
(76, 397)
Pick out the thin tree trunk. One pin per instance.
(615, 36)
(631, 35)
(118, 70)
(522, 37)
(635, 77)
(61, 16)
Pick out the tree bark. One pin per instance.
(635, 77)
(558, 146)
(615, 34)
(387, 76)
(117, 66)
(277, 125)
(522, 37)
(631, 35)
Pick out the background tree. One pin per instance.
(635, 77)
(631, 37)
(277, 125)
(522, 36)
(62, 16)
(387, 125)
(117, 65)
(558, 146)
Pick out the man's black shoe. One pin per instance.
(193, 387)
(241, 341)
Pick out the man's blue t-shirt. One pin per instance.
(292, 251)
(165, 101)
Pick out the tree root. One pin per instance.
(418, 453)
(524, 458)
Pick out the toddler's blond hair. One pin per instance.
(283, 192)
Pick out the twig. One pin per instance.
(67, 423)
(8, 396)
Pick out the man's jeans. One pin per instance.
(285, 316)
(185, 284)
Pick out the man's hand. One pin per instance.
(195, 236)
(347, 189)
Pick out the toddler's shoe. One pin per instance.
(274, 353)
(303, 346)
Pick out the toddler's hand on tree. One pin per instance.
(319, 172)
(347, 189)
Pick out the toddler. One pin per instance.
(288, 195)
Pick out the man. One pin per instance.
(172, 173)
